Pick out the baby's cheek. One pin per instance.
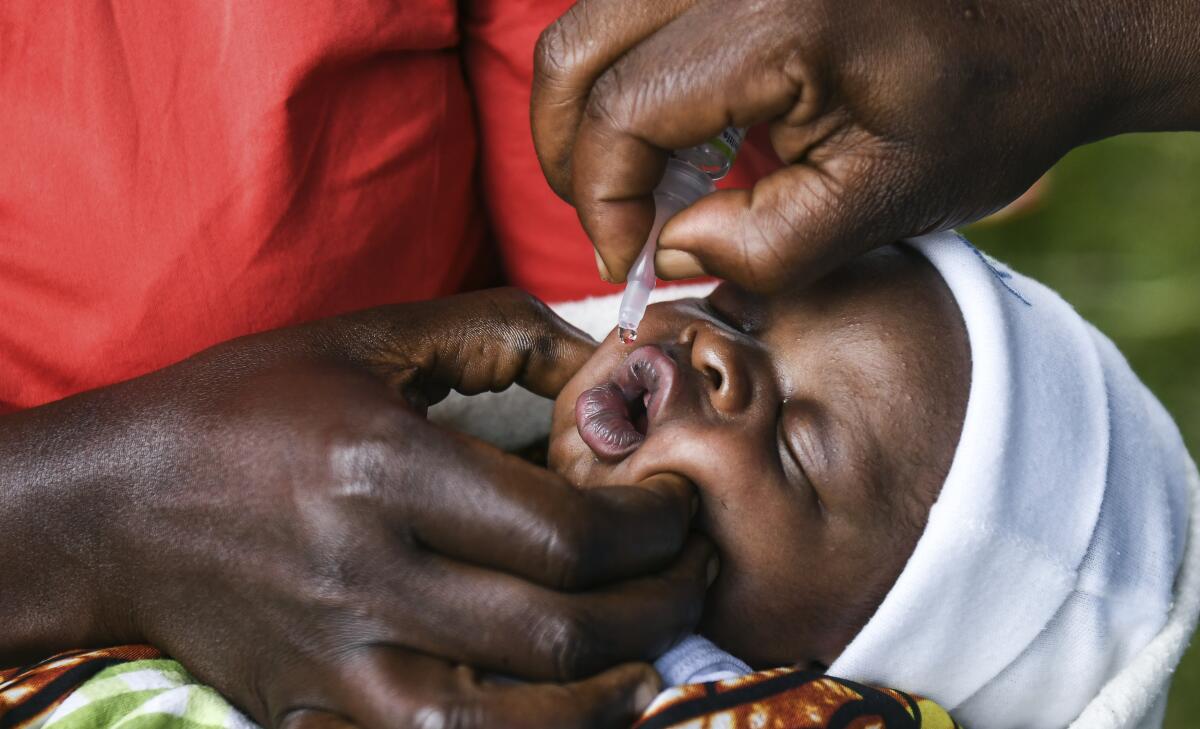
(717, 459)
(563, 456)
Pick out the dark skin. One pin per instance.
(277, 514)
(818, 425)
(893, 117)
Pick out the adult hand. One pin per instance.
(894, 118)
(277, 514)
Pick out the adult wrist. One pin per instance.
(58, 497)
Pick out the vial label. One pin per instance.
(733, 138)
(714, 157)
(729, 141)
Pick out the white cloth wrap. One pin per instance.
(1050, 556)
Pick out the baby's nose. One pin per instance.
(720, 362)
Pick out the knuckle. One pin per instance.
(336, 583)
(562, 56)
(562, 559)
(358, 463)
(519, 327)
(568, 639)
(295, 718)
(552, 53)
(521, 301)
(338, 523)
(570, 555)
(607, 103)
(448, 713)
(500, 302)
(542, 329)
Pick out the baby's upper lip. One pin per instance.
(603, 413)
(648, 370)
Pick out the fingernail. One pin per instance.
(644, 695)
(714, 567)
(677, 264)
(604, 274)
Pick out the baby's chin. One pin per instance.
(568, 460)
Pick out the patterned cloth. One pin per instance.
(152, 693)
(791, 698)
(29, 694)
(133, 687)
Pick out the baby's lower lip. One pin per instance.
(605, 423)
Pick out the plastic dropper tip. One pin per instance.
(627, 336)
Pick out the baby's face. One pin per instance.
(817, 425)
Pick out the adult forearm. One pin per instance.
(273, 514)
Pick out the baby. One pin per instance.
(923, 472)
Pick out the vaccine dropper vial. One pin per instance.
(689, 176)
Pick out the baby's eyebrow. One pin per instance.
(708, 307)
(747, 315)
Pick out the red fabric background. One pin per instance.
(544, 248)
(174, 174)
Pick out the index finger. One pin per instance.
(387, 686)
(569, 57)
(470, 501)
(806, 219)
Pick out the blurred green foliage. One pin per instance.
(1117, 233)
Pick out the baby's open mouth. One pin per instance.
(614, 418)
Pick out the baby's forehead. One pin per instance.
(888, 309)
(894, 280)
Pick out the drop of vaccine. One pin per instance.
(627, 336)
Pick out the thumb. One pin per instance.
(795, 225)
(614, 698)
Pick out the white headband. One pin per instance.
(1049, 557)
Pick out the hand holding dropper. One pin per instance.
(689, 176)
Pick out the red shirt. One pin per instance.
(176, 174)
(544, 248)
